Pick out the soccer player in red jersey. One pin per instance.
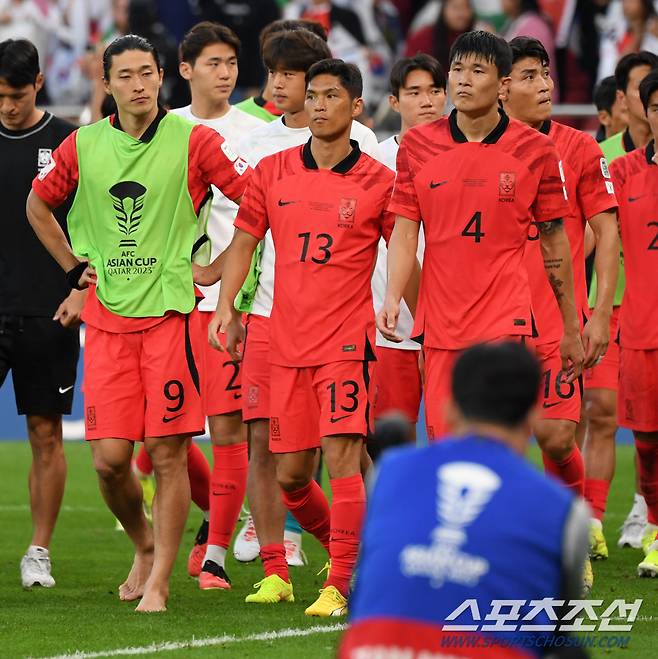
(636, 180)
(325, 203)
(592, 201)
(141, 376)
(476, 180)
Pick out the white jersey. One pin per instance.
(267, 140)
(388, 152)
(232, 126)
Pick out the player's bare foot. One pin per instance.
(154, 601)
(133, 587)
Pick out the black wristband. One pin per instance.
(73, 276)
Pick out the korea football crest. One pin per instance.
(506, 186)
(347, 213)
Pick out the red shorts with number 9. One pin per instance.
(319, 401)
(144, 384)
(222, 384)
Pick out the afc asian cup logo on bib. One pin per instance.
(346, 213)
(506, 186)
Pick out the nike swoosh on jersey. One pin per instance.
(168, 419)
(547, 405)
(63, 391)
(286, 203)
(335, 419)
(437, 185)
(632, 199)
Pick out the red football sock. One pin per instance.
(228, 486)
(348, 508)
(143, 461)
(570, 471)
(274, 561)
(647, 453)
(596, 495)
(198, 470)
(309, 506)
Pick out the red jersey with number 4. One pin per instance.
(476, 201)
(590, 191)
(636, 182)
(325, 225)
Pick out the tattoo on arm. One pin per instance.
(556, 285)
(547, 228)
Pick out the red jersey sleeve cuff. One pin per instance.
(41, 191)
(249, 228)
(405, 211)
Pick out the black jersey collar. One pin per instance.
(343, 167)
(650, 152)
(545, 127)
(149, 133)
(26, 132)
(491, 138)
(627, 141)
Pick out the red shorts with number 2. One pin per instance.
(319, 401)
(144, 384)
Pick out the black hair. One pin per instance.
(295, 50)
(628, 62)
(496, 383)
(421, 62)
(289, 24)
(348, 74)
(523, 47)
(19, 62)
(647, 87)
(605, 94)
(206, 33)
(444, 36)
(121, 45)
(484, 45)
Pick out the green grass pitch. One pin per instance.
(83, 613)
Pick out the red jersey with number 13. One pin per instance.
(476, 201)
(326, 225)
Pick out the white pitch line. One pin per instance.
(169, 646)
(64, 509)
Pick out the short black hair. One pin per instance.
(523, 47)
(284, 24)
(206, 33)
(605, 94)
(647, 87)
(348, 74)
(484, 45)
(123, 44)
(496, 383)
(421, 62)
(628, 62)
(295, 50)
(19, 62)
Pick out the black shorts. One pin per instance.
(43, 358)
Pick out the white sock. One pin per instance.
(216, 554)
(40, 550)
(639, 505)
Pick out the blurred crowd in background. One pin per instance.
(584, 38)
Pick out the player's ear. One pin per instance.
(604, 117)
(185, 70)
(38, 83)
(621, 97)
(357, 107)
(503, 87)
(161, 75)
(394, 102)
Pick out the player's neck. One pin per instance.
(477, 126)
(640, 133)
(296, 119)
(404, 127)
(136, 125)
(32, 120)
(514, 438)
(328, 153)
(203, 108)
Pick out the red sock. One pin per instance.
(274, 561)
(143, 461)
(198, 470)
(228, 486)
(596, 495)
(309, 506)
(647, 453)
(570, 471)
(348, 508)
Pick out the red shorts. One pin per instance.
(396, 382)
(144, 384)
(319, 401)
(222, 384)
(637, 397)
(256, 369)
(605, 375)
(557, 398)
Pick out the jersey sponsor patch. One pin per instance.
(228, 151)
(240, 165)
(47, 169)
(43, 157)
(604, 168)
